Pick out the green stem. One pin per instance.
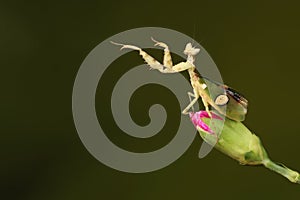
(293, 176)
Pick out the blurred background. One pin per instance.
(254, 44)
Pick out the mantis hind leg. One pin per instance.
(190, 98)
(192, 102)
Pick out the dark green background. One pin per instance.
(255, 46)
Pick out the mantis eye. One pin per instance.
(221, 100)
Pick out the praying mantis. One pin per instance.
(222, 98)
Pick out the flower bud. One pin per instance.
(236, 140)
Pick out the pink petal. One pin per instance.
(197, 120)
(204, 114)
